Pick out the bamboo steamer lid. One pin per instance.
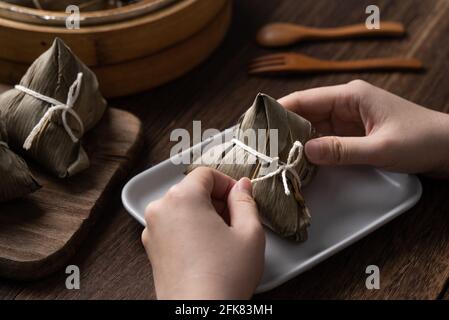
(141, 74)
(92, 12)
(102, 45)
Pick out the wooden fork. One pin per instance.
(282, 63)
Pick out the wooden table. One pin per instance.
(412, 251)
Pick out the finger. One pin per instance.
(243, 212)
(209, 181)
(315, 104)
(342, 150)
(318, 104)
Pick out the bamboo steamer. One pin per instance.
(167, 65)
(101, 45)
(147, 72)
(16, 12)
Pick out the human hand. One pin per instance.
(194, 253)
(364, 124)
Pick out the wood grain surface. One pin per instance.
(412, 252)
(41, 231)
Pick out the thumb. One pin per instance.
(340, 150)
(242, 208)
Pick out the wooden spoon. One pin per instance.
(284, 34)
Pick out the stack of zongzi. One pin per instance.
(16, 179)
(277, 178)
(56, 102)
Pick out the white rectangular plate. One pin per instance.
(346, 204)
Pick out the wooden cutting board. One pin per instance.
(39, 233)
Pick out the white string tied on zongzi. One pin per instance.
(67, 107)
(3, 143)
(292, 162)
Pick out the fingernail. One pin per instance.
(314, 150)
(244, 185)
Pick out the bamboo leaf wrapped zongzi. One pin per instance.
(277, 175)
(46, 115)
(16, 179)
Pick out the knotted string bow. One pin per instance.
(297, 148)
(67, 107)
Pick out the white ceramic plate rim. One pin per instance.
(315, 259)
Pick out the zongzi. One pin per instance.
(16, 178)
(277, 175)
(46, 115)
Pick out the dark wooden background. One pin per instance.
(412, 251)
